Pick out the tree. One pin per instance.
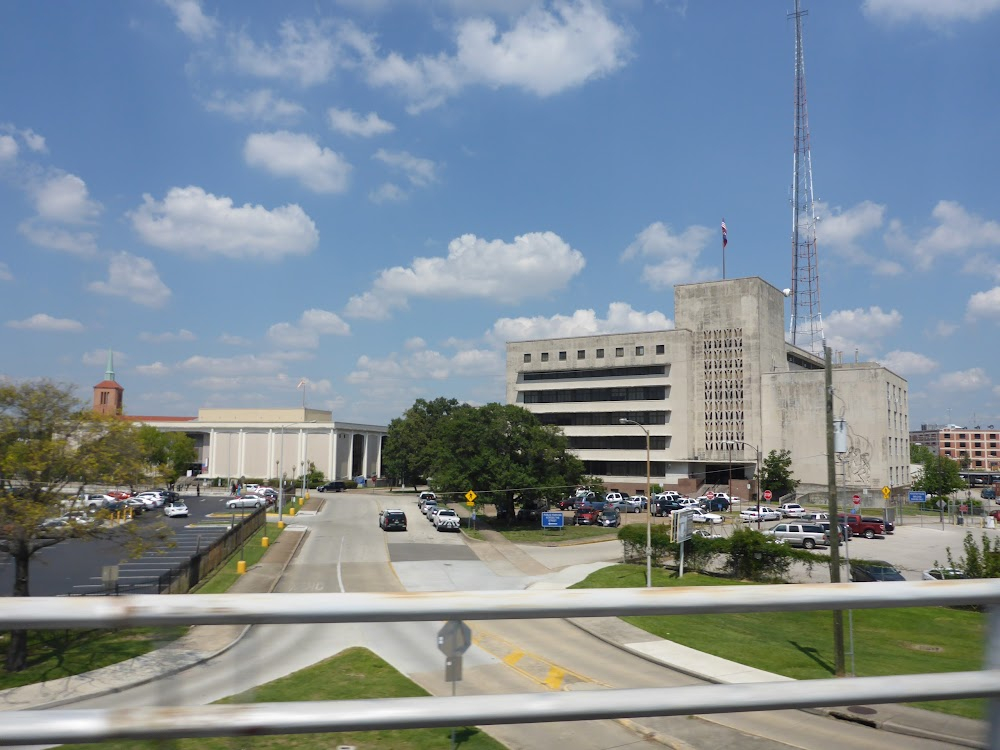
(920, 454)
(50, 442)
(777, 474)
(939, 476)
(504, 453)
(408, 450)
(168, 454)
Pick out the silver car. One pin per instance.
(246, 501)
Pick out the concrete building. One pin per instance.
(716, 394)
(980, 446)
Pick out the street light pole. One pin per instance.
(731, 443)
(649, 508)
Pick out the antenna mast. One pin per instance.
(806, 326)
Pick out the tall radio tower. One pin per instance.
(806, 327)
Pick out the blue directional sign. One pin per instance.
(918, 496)
(552, 520)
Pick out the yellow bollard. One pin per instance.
(264, 541)
(241, 566)
(291, 510)
(307, 494)
(281, 524)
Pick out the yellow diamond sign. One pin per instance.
(886, 492)
(470, 497)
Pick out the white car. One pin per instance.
(175, 509)
(759, 514)
(443, 513)
(792, 510)
(690, 502)
(150, 499)
(700, 516)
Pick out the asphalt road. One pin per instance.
(346, 551)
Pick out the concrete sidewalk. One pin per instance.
(204, 642)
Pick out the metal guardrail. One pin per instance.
(60, 726)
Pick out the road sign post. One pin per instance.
(857, 500)
(767, 494)
(454, 640)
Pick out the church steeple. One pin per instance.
(109, 374)
(108, 395)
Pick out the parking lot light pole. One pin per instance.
(281, 475)
(649, 507)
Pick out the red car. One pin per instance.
(120, 494)
(586, 515)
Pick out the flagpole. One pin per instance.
(725, 241)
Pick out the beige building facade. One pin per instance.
(716, 394)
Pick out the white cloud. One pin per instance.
(305, 334)
(5, 274)
(307, 52)
(426, 365)
(387, 193)
(842, 230)
(859, 329)
(168, 336)
(621, 318)
(233, 365)
(544, 52)
(43, 322)
(957, 233)
(930, 12)
(260, 105)
(231, 340)
(415, 343)
(984, 305)
(420, 172)
(963, 380)
(349, 122)
(193, 221)
(57, 238)
(296, 155)
(191, 19)
(8, 148)
(135, 279)
(156, 369)
(943, 329)
(533, 265)
(64, 198)
(33, 140)
(674, 256)
(907, 363)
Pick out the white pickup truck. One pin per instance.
(447, 520)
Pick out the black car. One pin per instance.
(718, 504)
(609, 517)
(331, 487)
(664, 507)
(874, 570)
(392, 519)
(567, 503)
(889, 525)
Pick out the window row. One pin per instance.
(576, 395)
(640, 351)
(607, 372)
(619, 442)
(636, 469)
(600, 418)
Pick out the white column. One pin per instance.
(365, 469)
(350, 455)
(213, 466)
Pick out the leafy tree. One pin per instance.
(939, 476)
(408, 450)
(314, 477)
(920, 454)
(964, 460)
(777, 474)
(50, 442)
(168, 454)
(504, 453)
(981, 561)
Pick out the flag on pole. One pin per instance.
(301, 384)
(725, 237)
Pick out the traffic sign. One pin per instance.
(918, 496)
(710, 495)
(886, 492)
(454, 638)
(767, 494)
(553, 520)
(470, 497)
(857, 499)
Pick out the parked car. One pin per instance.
(703, 516)
(664, 507)
(637, 503)
(874, 570)
(97, 502)
(792, 510)
(609, 517)
(585, 515)
(763, 513)
(718, 504)
(867, 529)
(943, 574)
(988, 493)
(445, 521)
(392, 519)
(567, 503)
(427, 505)
(807, 535)
(815, 515)
(888, 525)
(622, 506)
(443, 513)
(246, 501)
(845, 531)
(68, 521)
(337, 486)
(175, 508)
(529, 513)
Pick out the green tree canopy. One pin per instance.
(408, 451)
(920, 454)
(939, 476)
(777, 474)
(167, 454)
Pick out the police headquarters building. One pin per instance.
(712, 392)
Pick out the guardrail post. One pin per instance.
(993, 662)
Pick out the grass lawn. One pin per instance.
(53, 654)
(354, 674)
(534, 534)
(800, 644)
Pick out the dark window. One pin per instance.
(621, 443)
(661, 349)
(578, 395)
(640, 350)
(527, 357)
(580, 353)
(600, 354)
(607, 372)
(562, 356)
(598, 418)
(545, 356)
(620, 351)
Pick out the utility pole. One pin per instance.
(831, 478)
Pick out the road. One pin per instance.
(346, 551)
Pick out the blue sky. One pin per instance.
(375, 195)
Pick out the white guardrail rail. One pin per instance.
(91, 725)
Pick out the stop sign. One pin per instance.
(857, 499)
(767, 494)
(710, 495)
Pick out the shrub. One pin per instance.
(756, 557)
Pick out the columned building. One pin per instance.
(715, 394)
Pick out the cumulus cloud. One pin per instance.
(859, 328)
(533, 265)
(193, 221)
(932, 13)
(957, 233)
(843, 231)
(985, 305)
(673, 257)
(907, 363)
(155, 369)
(621, 318)
(191, 19)
(260, 105)
(305, 334)
(232, 340)
(64, 198)
(8, 143)
(943, 329)
(420, 172)
(135, 279)
(544, 52)
(387, 193)
(232, 365)
(8, 148)
(963, 380)
(5, 274)
(168, 337)
(426, 364)
(306, 52)
(349, 122)
(58, 238)
(43, 322)
(296, 155)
